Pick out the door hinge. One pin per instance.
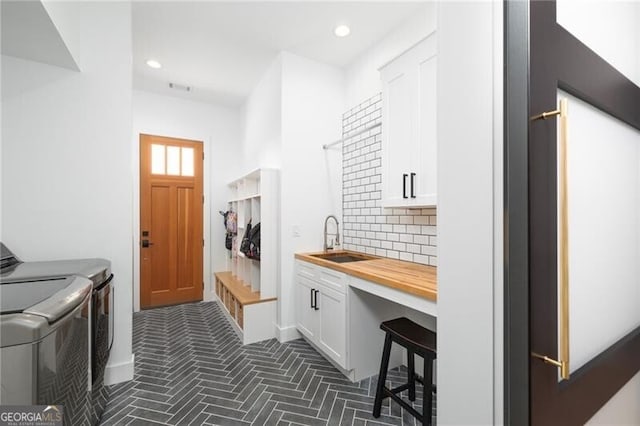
(203, 242)
(203, 199)
(203, 156)
(203, 285)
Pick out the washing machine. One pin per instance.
(45, 326)
(98, 271)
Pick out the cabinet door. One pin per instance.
(409, 136)
(332, 326)
(397, 132)
(306, 316)
(425, 168)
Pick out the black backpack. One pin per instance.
(244, 245)
(254, 243)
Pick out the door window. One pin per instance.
(172, 160)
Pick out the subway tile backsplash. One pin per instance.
(405, 234)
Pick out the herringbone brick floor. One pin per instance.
(190, 369)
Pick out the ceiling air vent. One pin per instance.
(180, 87)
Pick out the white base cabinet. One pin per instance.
(321, 310)
(306, 316)
(332, 314)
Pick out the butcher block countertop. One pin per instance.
(413, 278)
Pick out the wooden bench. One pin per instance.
(251, 316)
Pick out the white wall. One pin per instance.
(498, 213)
(622, 409)
(616, 37)
(62, 15)
(219, 128)
(295, 109)
(362, 76)
(262, 122)
(66, 163)
(311, 178)
(468, 191)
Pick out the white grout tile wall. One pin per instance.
(405, 234)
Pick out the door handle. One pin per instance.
(563, 235)
(146, 244)
(404, 185)
(413, 194)
(311, 294)
(315, 305)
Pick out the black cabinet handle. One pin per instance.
(315, 304)
(413, 194)
(311, 293)
(404, 185)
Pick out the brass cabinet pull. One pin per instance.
(563, 235)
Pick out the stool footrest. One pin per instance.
(404, 405)
(421, 381)
(399, 388)
(406, 386)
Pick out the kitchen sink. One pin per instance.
(343, 257)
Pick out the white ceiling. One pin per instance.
(221, 49)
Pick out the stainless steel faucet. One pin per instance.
(337, 234)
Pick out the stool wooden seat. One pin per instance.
(416, 340)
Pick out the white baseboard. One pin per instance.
(209, 296)
(121, 372)
(286, 334)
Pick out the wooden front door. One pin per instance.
(171, 242)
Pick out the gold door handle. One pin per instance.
(563, 235)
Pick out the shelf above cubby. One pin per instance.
(248, 197)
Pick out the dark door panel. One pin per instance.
(560, 61)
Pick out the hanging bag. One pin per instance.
(244, 246)
(230, 225)
(231, 222)
(254, 243)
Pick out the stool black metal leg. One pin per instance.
(427, 395)
(411, 375)
(382, 377)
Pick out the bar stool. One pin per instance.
(417, 340)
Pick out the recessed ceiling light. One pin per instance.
(342, 31)
(154, 64)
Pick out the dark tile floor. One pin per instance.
(190, 369)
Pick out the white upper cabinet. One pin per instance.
(409, 137)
